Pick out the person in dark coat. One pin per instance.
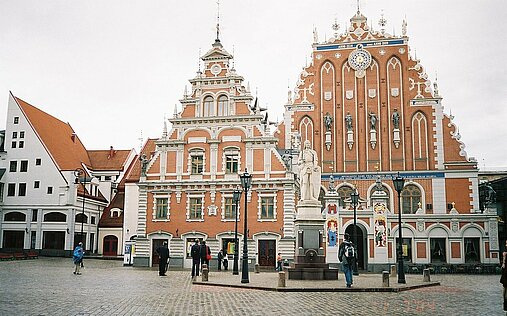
(220, 257)
(163, 255)
(205, 254)
(225, 260)
(347, 260)
(195, 253)
(503, 279)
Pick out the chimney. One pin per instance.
(73, 137)
(111, 152)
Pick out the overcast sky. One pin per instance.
(114, 69)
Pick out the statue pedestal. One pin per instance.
(310, 260)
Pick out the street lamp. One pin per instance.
(354, 196)
(399, 182)
(236, 196)
(80, 172)
(246, 181)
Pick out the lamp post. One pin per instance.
(236, 197)
(354, 196)
(78, 172)
(399, 182)
(246, 181)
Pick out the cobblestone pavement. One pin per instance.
(46, 286)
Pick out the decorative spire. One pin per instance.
(358, 10)
(336, 27)
(404, 27)
(233, 59)
(164, 133)
(382, 23)
(218, 21)
(435, 87)
(199, 63)
(175, 114)
(315, 35)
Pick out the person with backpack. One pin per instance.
(77, 257)
(347, 256)
(195, 253)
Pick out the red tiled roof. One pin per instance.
(118, 202)
(148, 150)
(108, 159)
(58, 137)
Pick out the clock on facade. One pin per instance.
(215, 69)
(359, 60)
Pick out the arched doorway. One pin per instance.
(361, 245)
(110, 245)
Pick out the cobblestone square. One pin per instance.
(46, 286)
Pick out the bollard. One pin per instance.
(385, 278)
(205, 273)
(393, 269)
(257, 268)
(426, 275)
(281, 279)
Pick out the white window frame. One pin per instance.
(195, 196)
(224, 219)
(231, 151)
(154, 208)
(196, 151)
(259, 207)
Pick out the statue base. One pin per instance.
(310, 259)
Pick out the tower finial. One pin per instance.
(218, 20)
(199, 62)
(233, 58)
(358, 11)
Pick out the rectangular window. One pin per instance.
(107, 178)
(437, 250)
(195, 208)
(50, 190)
(22, 189)
(231, 163)
(197, 164)
(267, 208)
(38, 161)
(93, 220)
(21, 144)
(11, 189)
(22, 134)
(13, 145)
(472, 250)
(161, 208)
(13, 166)
(36, 184)
(16, 120)
(14, 135)
(24, 166)
(34, 215)
(406, 248)
(229, 208)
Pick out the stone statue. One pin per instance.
(144, 165)
(348, 121)
(373, 121)
(396, 119)
(309, 174)
(331, 184)
(328, 120)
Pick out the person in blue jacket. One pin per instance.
(77, 257)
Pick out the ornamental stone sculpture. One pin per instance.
(309, 174)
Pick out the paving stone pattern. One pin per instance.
(46, 286)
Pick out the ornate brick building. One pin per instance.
(370, 111)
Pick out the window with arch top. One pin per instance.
(344, 193)
(410, 198)
(223, 106)
(209, 108)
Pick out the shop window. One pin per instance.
(410, 199)
(438, 250)
(472, 250)
(406, 248)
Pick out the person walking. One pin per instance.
(503, 279)
(279, 262)
(225, 260)
(347, 256)
(205, 254)
(195, 253)
(163, 255)
(220, 258)
(77, 257)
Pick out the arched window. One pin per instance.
(410, 198)
(386, 191)
(306, 130)
(223, 106)
(344, 193)
(55, 217)
(209, 109)
(15, 217)
(81, 218)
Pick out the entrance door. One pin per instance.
(154, 257)
(110, 245)
(361, 249)
(267, 254)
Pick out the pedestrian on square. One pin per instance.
(195, 253)
(220, 257)
(163, 255)
(77, 257)
(225, 260)
(279, 262)
(205, 254)
(503, 279)
(347, 256)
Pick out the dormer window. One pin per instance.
(223, 106)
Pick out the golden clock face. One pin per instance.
(359, 59)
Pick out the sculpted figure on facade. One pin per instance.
(309, 173)
(396, 119)
(348, 121)
(328, 121)
(373, 121)
(144, 165)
